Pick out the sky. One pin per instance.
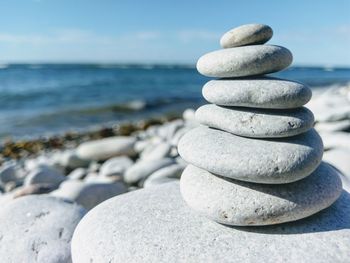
(164, 31)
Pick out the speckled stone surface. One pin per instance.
(249, 34)
(38, 228)
(155, 225)
(259, 92)
(256, 123)
(233, 202)
(254, 160)
(244, 61)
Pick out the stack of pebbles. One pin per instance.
(255, 160)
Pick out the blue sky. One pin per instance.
(162, 31)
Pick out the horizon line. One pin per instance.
(3, 64)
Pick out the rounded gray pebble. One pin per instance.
(268, 161)
(256, 123)
(249, 34)
(244, 61)
(38, 228)
(232, 202)
(260, 92)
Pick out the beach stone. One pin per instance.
(115, 166)
(244, 61)
(177, 136)
(44, 174)
(70, 159)
(77, 174)
(337, 126)
(232, 202)
(249, 34)
(34, 189)
(272, 161)
(7, 173)
(258, 92)
(339, 158)
(141, 145)
(38, 228)
(106, 148)
(164, 175)
(6, 198)
(156, 152)
(142, 169)
(131, 233)
(88, 195)
(188, 114)
(333, 140)
(256, 123)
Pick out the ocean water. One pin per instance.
(50, 99)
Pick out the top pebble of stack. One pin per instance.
(251, 34)
(244, 55)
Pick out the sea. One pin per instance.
(50, 99)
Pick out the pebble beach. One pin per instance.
(141, 190)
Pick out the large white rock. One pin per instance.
(233, 202)
(256, 123)
(104, 149)
(272, 161)
(44, 174)
(258, 92)
(88, 194)
(244, 61)
(38, 229)
(155, 225)
(249, 34)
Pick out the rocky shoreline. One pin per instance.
(24, 148)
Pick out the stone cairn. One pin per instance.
(256, 159)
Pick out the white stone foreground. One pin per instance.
(155, 225)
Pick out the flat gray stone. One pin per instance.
(89, 194)
(244, 61)
(38, 229)
(269, 161)
(155, 225)
(259, 92)
(106, 148)
(256, 123)
(233, 202)
(249, 34)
